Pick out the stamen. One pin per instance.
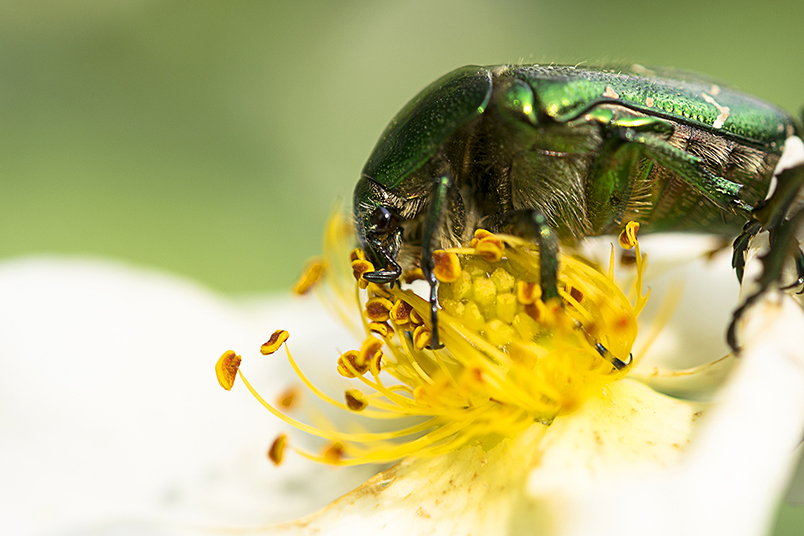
(349, 365)
(310, 276)
(422, 337)
(382, 329)
(447, 266)
(370, 352)
(360, 267)
(491, 250)
(527, 293)
(276, 453)
(413, 275)
(628, 235)
(416, 319)
(226, 369)
(334, 453)
(287, 400)
(400, 313)
(378, 309)
(355, 400)
(272, 345)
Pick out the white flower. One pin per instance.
(628, 460)
(111, 420)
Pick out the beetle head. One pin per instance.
(378, 229)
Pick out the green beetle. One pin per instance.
(559, 153)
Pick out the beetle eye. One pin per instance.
(383, 220)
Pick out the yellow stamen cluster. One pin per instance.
(510, 358)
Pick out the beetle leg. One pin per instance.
(772, 211)
(531, 224)
(604, 352)
(651, 134)
(435, 219)
(772, 265)
(799, 260)
(689, 168)
(391, 272)
(770, 215)
(385, 276)
(740, 246)
(615, 361)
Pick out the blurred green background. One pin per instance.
(211, 138)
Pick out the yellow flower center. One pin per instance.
(509, 360)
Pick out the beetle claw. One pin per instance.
(434, 342)
(381, 276)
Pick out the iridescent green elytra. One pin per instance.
(561, 153)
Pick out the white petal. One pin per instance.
(475, 490)
(109, 407)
